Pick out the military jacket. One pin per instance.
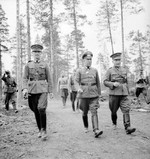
(88, 80)
(117, 75)
(37, 78)
(10, 84)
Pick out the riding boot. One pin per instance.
(126, 120)
(96, 126)
(85, 121)
(114, 119)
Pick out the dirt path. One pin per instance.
(67, 140)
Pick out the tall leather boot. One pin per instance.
(114, 119)
(43, 123)
(85, 121)
(126, 120)
(95, 126)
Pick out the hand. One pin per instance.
(80, 90)
(25, 93)
(116, 84)
(51, 95)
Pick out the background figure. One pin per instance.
(116, 80)
(141, 87)
(73, 90)
(9, 90)
(37, 84)
(89, 88)
(62, 87)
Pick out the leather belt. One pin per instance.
(88, 84)
(37, 79)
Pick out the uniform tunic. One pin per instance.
(118, 96)
(37, 78)
(117, 75)
(89, 82)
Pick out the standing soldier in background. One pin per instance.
(37, 84)
(141, 87)
(62, 87)
(89, 89)
(73, 90)
(116, 80)
(9, 90)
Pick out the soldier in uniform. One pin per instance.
(62, 87)
(37, 84)
(9, 90)
(89, 88)
(73, 90)
(116, 80)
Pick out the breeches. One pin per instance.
(37, 101)
(87, 104)
(116, 102)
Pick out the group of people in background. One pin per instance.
(84, 88)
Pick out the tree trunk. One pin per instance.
(19, 81)
(122, 30)
(140, 54)
(28, 32)
(51, 41)
(0, 74)
(76, 38)
(109, 28)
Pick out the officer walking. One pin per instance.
(89, 88)
(37, 84)
(116, 80)
(9, 90)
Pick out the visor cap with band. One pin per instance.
(36, 48)
(87, 54)
(116, 56)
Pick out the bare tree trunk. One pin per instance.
(51, 41)
(18, 55)
(122, 30)
(28, 31)
(76, 38)
(0, 74)
(140, 54)
(109, 28)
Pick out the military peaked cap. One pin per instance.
(87, 54)
(37, 48)
(116, 55)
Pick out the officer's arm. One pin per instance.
(49, 80)
(25, 78)
(58, 85)
(98, 83)
(107, 80)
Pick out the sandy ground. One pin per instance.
(66, 138)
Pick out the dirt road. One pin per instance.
(66, 138)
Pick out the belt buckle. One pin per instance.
(89, 84)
